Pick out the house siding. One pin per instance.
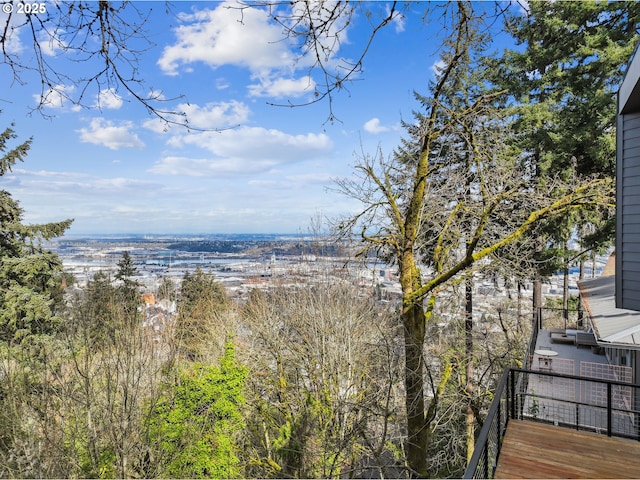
(628, 220)
(627, 279)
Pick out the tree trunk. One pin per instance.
(565, 285)
(580, 278)
(538, 248)
(537, 299)
(519, 324)
(417, 430)
(468, 330)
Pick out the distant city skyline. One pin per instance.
(116, 169)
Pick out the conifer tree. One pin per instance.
(564, 83)
(30, 302)
(129, 288)
(28, 271)
(127, 270)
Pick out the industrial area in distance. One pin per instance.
(243, 262)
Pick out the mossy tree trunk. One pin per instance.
(414, 214)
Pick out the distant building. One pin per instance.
(149, 299)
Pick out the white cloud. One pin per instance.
(56, 97)
(335, 27)
(104, 132)
(47, 173)
(260, 143)
(109, 99)
(525, 8)
(156, 125)
(120, 184)
(236, 35)
(96, 203)
(282, 87)
(317, 178)
(156, 95)
(212, 116)
(373, 126)
(137, 211)
(11, 27)
(241, 151)
(398, 20)
(215, 115)
(78, 188)
(227, 36)
(193, 167)
(51, 45)
(295, 181)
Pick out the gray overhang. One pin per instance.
(615, 327)
(629, 92)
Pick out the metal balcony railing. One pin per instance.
(602, 406)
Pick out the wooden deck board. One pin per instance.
(536, 450)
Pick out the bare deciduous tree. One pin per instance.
(324, 382)
(106, 38)
(414, 215)
(87, 402)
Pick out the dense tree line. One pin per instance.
(319, 380)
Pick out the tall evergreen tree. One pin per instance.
(563, 83)
(129, 289)
(28, 271)
(566, 78)
(127, 270)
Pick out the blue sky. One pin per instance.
(116, 169)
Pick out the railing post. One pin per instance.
(508, 400)
(577, 416)
(609, 416)
(580, 321)
(512, 393)
(500, 425)
(483, 461)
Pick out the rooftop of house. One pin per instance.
(615, 327)
(629, 92)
